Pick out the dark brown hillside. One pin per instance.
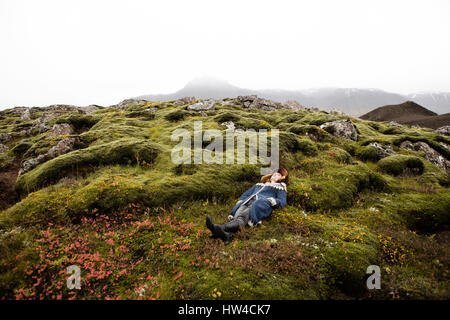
(404, 112)
(433, 122)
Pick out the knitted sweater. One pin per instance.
(268, 195)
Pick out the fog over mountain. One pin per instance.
(353, 101)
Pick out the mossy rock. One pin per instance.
(346, 266)
(226, 116)
(339, 155)
(176, 115)
(289, 142)
(336, 188)
(367, 153)
(124, 151)
(423, 212)
(392, 130)
(311, 130)
(146, 115)
(433, 144)
(21, 148)
(401, 164)
(79, 121)
(251, 123)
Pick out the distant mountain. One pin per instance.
(406, 111)
(410, 113)
(438, 102)
(433, 122)
(353, 101)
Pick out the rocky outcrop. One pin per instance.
(445, 130)
(26, 115)
(185, 100)
(203, 105)
(41, 123)
(253, 102)
(5, 137)
(127, 102)
(62, 129)
(228, 124)
(337, 112)
(344, 129)
(88, 109)
(445, 145)
(430, 154)
(3, 148)
(395, 124)
(382, 151)
(293, 105)
(62, 147)
(62, 107)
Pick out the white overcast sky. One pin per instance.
(101, 52)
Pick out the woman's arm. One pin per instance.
(280, 200)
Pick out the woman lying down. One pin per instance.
(255, 204)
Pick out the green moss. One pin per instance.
(226, 116)
(400, 164)
(79, 121)
(335, 188)
(367, 153)
(21, 148)
(346, 266)
(176, 115)
(425, 212)
(126, 151)
(289, 142)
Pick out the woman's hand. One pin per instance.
(273, 202)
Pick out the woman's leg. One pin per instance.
(227, 230)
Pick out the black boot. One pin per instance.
(232, 226)
(226, 231)
(210, 226)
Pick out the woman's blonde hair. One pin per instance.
(282, 171)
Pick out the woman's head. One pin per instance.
(280, 175)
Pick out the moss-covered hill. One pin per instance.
(100, 191)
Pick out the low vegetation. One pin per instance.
(134, 221)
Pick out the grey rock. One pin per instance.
(430, 154)
(26, 115)
(253, 102)
(203, 105)
(293, 105)
(445, 145)
(3, 148)
(41, 123)
(152, 110)
(344, 129)
(337, 112)
(127, 102)
(63, 146)
(5, 137)
(185, 100)
(62, 107)
(395, 124)
(62, 129)
(88, 109)
(445, 130)
(382, 151)
(228, 124)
